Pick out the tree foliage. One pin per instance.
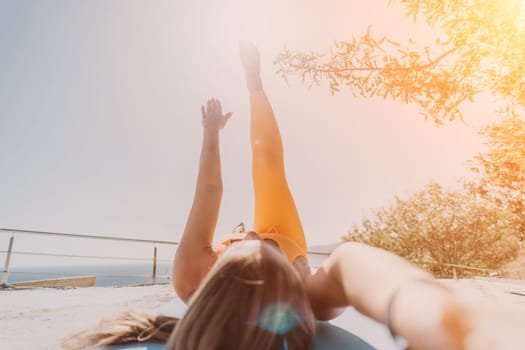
(435, 228)
(501, 168)
(478, 47)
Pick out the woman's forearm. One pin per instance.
(369, 276)
(361, 276)
(388, 289)
(210, 161)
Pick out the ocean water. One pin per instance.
(107, 274)
(122, 274)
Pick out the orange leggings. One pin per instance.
(275, 210)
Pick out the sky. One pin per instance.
(100, 127)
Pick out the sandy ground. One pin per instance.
(38, 318)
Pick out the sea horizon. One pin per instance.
(110, 274)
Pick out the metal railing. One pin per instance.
(13, 232)
(9, 252)
(154, 259)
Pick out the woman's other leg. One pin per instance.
(275, 209)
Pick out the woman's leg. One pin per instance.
(275, 209)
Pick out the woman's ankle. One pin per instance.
(254, 83)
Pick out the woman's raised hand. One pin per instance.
(212, 116)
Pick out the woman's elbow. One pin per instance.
(183, 288)
(181, 279)
(329, 313)
(188, 274)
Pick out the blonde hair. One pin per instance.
(253, 300)
(124, 328)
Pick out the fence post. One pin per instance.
(154, 273)
(5, 273)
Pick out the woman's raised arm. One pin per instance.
(195, 255)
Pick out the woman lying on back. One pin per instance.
(255, 290)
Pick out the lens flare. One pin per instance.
(279, 318)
